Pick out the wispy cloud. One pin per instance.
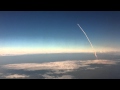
(98, 62)
(51, 72)
(56, 70)
(60, 65)
(92, 68)
(46, 76)
(16, 76)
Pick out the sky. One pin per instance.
(31, 32)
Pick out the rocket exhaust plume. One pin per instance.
(88, 40)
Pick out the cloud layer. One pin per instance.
(56, 70)
(46, 76)
(60, 65)
(16, 76)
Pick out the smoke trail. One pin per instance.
(88, 41)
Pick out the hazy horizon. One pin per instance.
(57, 31)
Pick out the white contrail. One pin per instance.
(88, 40)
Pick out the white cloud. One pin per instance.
(98, 62)
(92, 68)
(58, 67)
(61, 65)
(16, 76)
(66, 66)
(46, 76)
(65, 77)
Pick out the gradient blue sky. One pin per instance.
(23, 32)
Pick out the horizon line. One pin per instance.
(55, 53)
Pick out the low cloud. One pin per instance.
(98, 62)
(56, 69)
(58, 72)
(59, 67)
(92, 68)
(16, 76)
(46, 76)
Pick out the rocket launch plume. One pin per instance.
(88, 40)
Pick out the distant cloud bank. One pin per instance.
(59, 65)
(56, 70)
(16, 76)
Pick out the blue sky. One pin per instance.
(24, 32)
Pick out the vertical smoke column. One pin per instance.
(88, 40)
